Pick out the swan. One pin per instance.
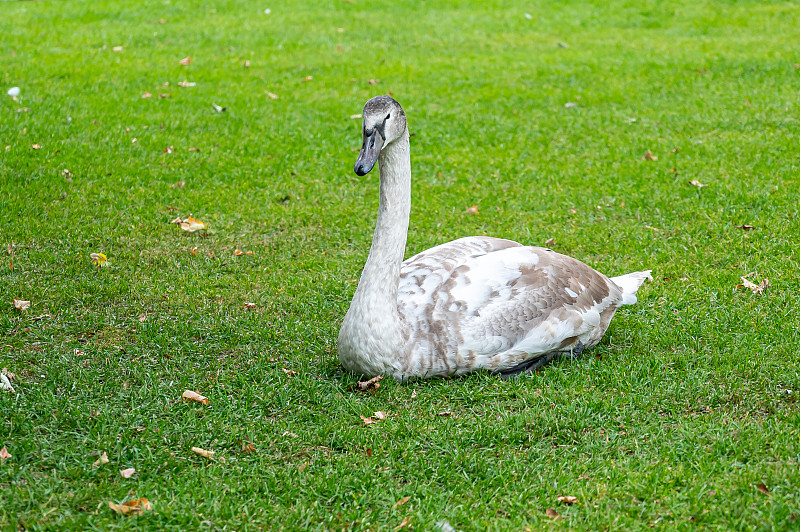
(476, 303)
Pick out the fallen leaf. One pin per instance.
(290, 372)
(4, 454)
(190, 395)
(414, 394)
(189, 224)
(194, 251)
(552, 513)
(36, 146)
(146, 94)
(238, 252)
(127, 473)
(369, 452)
(567, 499)
(272, 96)
(755, 288)
(372, 383)
(367, 420)
(584, 477)
(697, 183)
(179, 184)
(379, 415)
(193, 149)
(249, 305)
(302, 467)
(373, 82)
(131, 507)
(762, 488)
(308, 78)
(445, 413)
(249, 252)
(102, 460)
(118, 48)
(550, 242)
(573, 211)
(203, 453)
(472, 210)
(99, 259)
(649, 156)
(404, 523)
(185, 84)
(745, 227)
(401, 502)
(21, 304)
(185, 61)
(248, 448)
(165, 95)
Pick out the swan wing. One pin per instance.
(494, 304)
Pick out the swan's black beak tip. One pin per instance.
(361, 170)
(368, 156)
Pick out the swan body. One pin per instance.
(470, 304)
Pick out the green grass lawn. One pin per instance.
(671, 423)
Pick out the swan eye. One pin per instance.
(388, 116)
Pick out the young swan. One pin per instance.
(473, 303)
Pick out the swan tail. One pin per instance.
(630, 283)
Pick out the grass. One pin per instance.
(687, 405)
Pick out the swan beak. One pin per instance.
(370, 150)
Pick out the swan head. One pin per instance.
(384, 122)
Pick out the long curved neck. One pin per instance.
(379, 280)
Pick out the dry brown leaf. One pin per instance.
(36, 146)
(401, 502)
(404, 523)
(649, 156)
(472, 210)
(290, 372)
(146, 94)
(249, 305)
(191, 148)
(142, 318)
(372, 383)
(189, 395)
(380, 415)
(302, 467)
(550, 242)
(179, 184)
(185, 61)
(127, 473)
(369, 452)
(165, 95)
(194, 251)
(21, 304)
(573, 211)
(308, 78)
(102, 460)
(552, 513)
(4, 454)
(367, 420)
(272, 96)
(135, 507)
(697, 183)
(745, 227)
(238, 252)
(567, 499)
(168, 149)
(203, 453)
(249, 252)
(755, 288)
(248, 448)
(373, 82)
(762, 488)
(445, 413)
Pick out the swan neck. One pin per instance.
(381, 275)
